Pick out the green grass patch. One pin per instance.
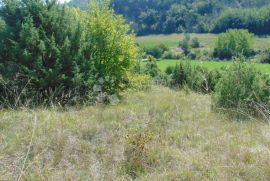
(211, 65)
(206, 40)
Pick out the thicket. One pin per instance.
(196, 78)
(50, 51)
(264, 56)
(233, 43)
(239, 90)
(156, 51)
(242, 90)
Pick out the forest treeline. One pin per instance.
(198, 16)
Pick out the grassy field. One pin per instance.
(155, 135)
(206, 40)
(211, 65)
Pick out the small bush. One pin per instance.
(163, 47)
(196, 78)
(233, 43)
(172, 55)
(169, 70)
(195, 43)
(241, 89)
(155, 51)
(264, 57)
(151, 67)
(184, 44)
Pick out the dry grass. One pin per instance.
(157, 135)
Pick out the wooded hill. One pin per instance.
(199, 16)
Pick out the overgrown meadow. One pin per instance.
(83, 98)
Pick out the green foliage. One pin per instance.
(255, 20)
(174, 16)
(42, 48)
(172, 55)
(184, 44)
(2, 25)
(196, 78)
(151, 67)
(54, 49)
(264, 57)
(233, 43)
(155, 51)
(195, 43)
(243, 90)
(110, 47)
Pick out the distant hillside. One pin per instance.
(176, 16)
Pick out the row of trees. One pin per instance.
(254, 20)
(47, 46)
(177, 16)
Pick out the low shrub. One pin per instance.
(172, 55)
(264, 56)
(233, 43)
(242, 89)
(151, 67)
(169, 70)
(184, 44)
(156, 51)
(196, 78)
(195, 43)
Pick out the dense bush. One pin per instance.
(172, 55)
(233, 43)
(51, 49)
(185, 45)
(151, 67)
(196, 78)
(264, 56)
(195, 43)
(112, 50)
(156, 51)
(243, 90)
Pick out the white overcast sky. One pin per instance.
(63, 1)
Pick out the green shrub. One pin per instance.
(151, 67)
(264, 56)
(155, 51)
(111, 47)
(184, 44)
(195, 43)
(170, 70)
(242, 89)
(233, 43)
(2, 25)
(196, 78)
(172, 55)
(55, 49)
(163, 47)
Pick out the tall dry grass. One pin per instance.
(152, 135)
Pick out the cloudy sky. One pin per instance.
(63, 1)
